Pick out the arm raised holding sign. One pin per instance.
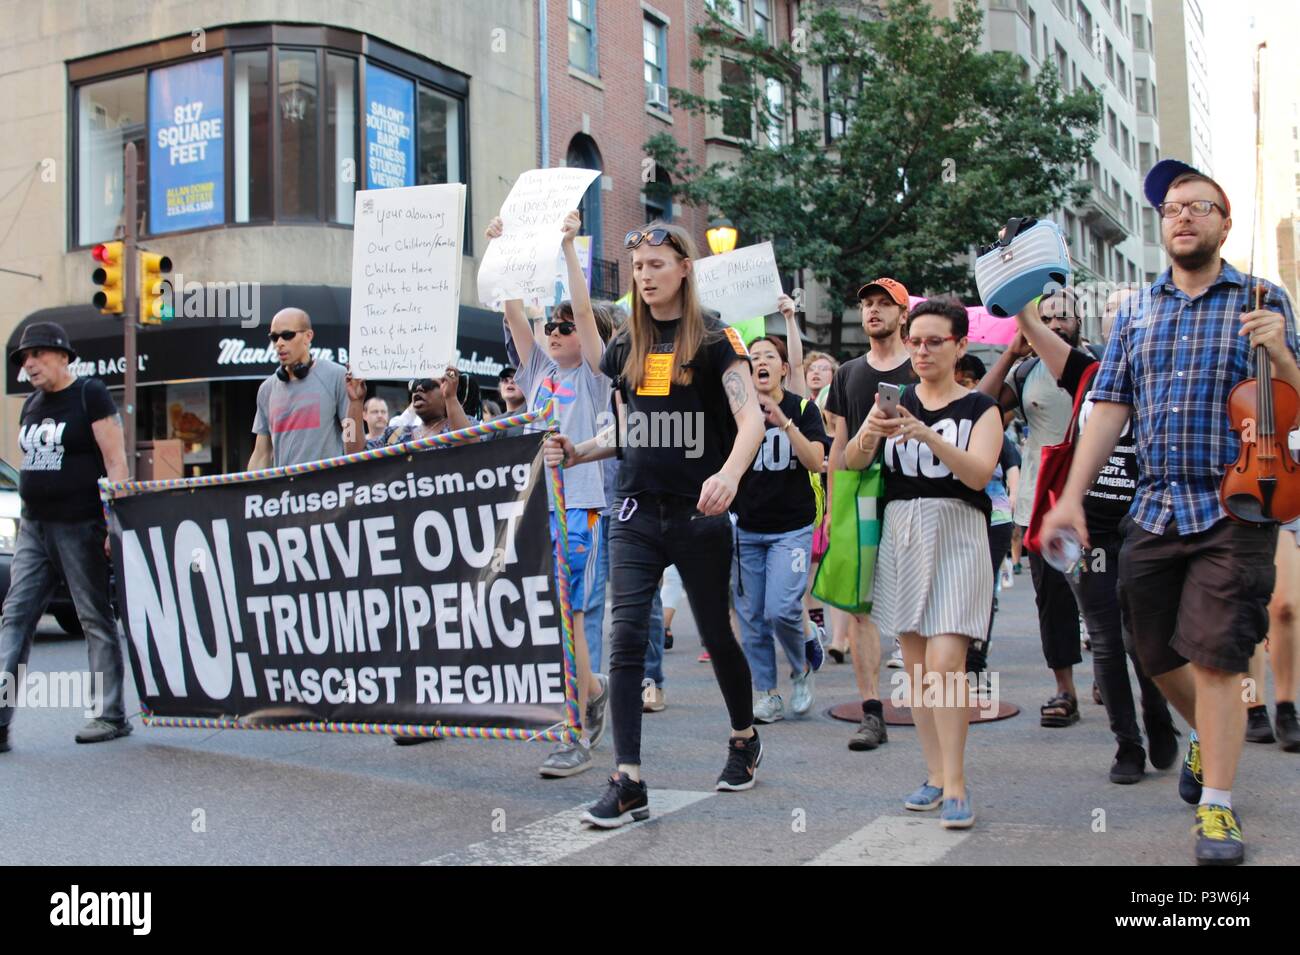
(794, 346)
(593, 346)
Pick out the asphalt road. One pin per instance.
(164, 796)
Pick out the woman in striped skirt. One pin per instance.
(934, 585)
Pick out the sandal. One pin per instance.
(836, 654)
(1060, 710)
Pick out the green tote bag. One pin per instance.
(848, 568)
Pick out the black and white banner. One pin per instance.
(408, 589)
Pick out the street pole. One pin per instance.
(130, 311)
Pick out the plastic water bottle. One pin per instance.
(1064, 551)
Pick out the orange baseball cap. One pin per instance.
(891, 287)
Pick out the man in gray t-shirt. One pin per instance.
(307, 410)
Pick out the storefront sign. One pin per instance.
(186, 146)
(390, 129)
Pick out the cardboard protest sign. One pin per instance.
(520, 263)
(740, 284)
(406, 251)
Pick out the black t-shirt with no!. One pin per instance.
(61, 462)
(776, 495)
(678, 436)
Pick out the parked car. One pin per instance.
(11, 510)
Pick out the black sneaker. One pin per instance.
(871, 733)
(1130, 764)
(1288, 731)
(624, 801)
(1258, 729)
(743, 757)
(1162, 741)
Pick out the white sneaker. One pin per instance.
(652, 697)
(1008, 578)
(895, 661)
(801, 697)
(769, 709)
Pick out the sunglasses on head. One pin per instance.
(655, 237)
(287, 336)
(565, 328)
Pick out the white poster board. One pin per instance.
(740, 284)
(406, 262)
(520, 263)
(581, 245)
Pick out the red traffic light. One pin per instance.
(103, 253)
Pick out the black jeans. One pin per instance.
(1058, 615)
(977, 651)
(660, 531)
(1097, 591)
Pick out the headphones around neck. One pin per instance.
(298, 371)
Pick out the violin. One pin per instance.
(1263, 485)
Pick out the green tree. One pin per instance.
(936, 143)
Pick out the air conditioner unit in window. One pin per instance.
(656, 94)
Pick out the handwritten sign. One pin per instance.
(740, 284)
(520, 263)
(582, 245)
(406, 280)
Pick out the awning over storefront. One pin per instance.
(216, 348)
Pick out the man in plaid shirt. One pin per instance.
(1194, 584)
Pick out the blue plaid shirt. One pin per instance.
(1174, 359)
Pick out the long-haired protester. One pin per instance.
(775, 510)
(674, 367)
(819, 371)
(566, 370)
(1095, 585)
(933, 582)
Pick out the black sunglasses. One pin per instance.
(566, 328)
(424, 384)
(287, 336)
(655, 237)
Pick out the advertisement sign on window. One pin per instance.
(390, 130)
(186, 146)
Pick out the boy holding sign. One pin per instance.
(565, 368)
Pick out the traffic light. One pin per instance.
(108, 276)
(155, 302)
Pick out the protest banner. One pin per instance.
(520, 263)
(405, 590)
(740, 284)
(406, 281)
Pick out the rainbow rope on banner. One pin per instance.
(566, 732)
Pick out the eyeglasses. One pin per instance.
(1199, 208)
(565, 328)
(655, 237)
(287, 336)
(424, 384)
(931, 343)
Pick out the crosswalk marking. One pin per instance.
(894, 840)
(558, 836)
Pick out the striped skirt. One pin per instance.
(933, 574)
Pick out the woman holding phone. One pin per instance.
(672, 360)
(933, 582)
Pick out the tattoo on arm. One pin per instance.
(733, 382)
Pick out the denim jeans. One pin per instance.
(44, 550)
(1097, 590)
(769, 603)
(660, 531)
(594, 621)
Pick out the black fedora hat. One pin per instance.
(43, 335)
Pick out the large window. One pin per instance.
(774, 121)
(109, 115)
(255, 132)
(737, 118)
(654, 50)
(582, 35)
(763, 19)
(839, 101)
(296, 105)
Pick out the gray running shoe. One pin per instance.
(769, 709)
(801, 698)
(594, 719)
(101, 731)
(567, 759)
(871, 733)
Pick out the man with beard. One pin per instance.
(1031, 388)
(852, 395)
(1194, 584)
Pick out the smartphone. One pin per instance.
(887, 396)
